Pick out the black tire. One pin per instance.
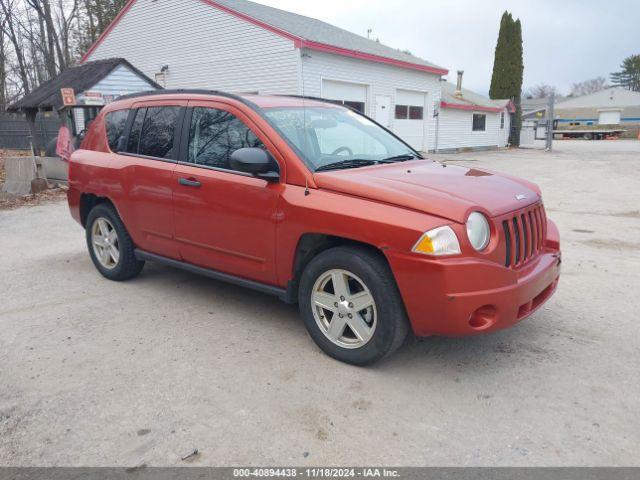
(128, 266)
(392, 323)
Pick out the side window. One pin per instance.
(115, 123)
(136, 128)
(215, 134)
(158, 132)
(153, 132)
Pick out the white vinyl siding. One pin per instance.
(121, 81)
(382, 80)
(204, 48)
(456, 130)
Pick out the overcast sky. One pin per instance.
(565, 41)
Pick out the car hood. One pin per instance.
(447, 191)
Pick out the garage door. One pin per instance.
(609, 118)
(410, 115)
(353, 95)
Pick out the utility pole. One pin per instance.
(550, 116)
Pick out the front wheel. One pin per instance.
(351, 305)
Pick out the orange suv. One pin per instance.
(319, 205)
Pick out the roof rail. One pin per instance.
(192, 91)
(306, 97)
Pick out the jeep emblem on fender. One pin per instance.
(521, 197)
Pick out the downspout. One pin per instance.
(437, 114)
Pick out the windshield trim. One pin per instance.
(262, 111)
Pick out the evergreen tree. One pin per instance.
(508, 70)
(629, 75)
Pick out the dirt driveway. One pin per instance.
(99, 373)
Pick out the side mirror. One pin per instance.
(256, 162)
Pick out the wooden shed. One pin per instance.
(93, 84)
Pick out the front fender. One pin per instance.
(383, 226)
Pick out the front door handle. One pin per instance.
(189, 182)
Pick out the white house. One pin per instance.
(245, 47)
(469, 120)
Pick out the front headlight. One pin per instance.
(439, 241)
(478, 231)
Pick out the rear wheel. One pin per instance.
(110, 245)
(351, 305)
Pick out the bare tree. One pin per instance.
(43, 9)
(40, 38)
(4, 63)
(9, 12)
(588, 86)
(541, 90)
(66, 14)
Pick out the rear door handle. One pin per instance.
(188, 182)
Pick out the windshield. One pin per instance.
(329, 137)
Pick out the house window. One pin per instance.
(416, 113)
(479, 122)
(502, 121)
(409, 112)
(357, 106)
(402, 112)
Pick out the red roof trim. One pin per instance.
(111, 26)
(298, 41)
(322, 47)
(476, 108)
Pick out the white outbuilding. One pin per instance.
(471, 121)
(246, 47)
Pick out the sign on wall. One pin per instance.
(92, 98)
(68, 97)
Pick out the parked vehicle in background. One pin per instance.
(319, 205)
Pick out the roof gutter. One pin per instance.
(322, 47)
(475, 108)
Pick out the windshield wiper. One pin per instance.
(401, 158)
(361, 162)
(351, 163)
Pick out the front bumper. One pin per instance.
(467, 296)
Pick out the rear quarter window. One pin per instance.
(115, 123)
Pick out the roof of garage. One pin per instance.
(472, 101)
(308, 33)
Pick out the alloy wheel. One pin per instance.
(344, 308)
(105, 243)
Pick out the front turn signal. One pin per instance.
(438, 242)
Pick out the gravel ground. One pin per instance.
(95, 373)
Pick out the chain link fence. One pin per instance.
(14, 130)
